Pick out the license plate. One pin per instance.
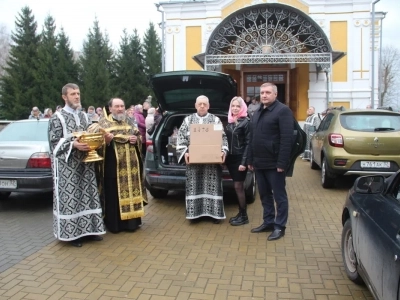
(8, 184)
(375, 164)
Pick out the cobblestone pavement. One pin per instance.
(171, 258)
(25, 227)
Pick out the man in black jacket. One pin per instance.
(269, 156)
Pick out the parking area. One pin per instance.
(171, 258)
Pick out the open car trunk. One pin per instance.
(166, 140)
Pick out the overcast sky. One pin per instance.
(77, 17)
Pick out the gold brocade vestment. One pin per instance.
(131, 192)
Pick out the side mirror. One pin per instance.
(369, 185)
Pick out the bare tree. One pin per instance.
(5, 40)
(390, 76)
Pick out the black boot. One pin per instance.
(235, 217)
(242, 219)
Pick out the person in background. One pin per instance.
(248, 101)
(141, 124)
(48, 112)
(238, 133)
(146, 106)
(91, 113)
(369, 106)
(58, 108)
(269, 156)
(36, 113)
(203, 181)
(149, 121)
(99, 111)
(77, 213)
(312, 120)
(124, 193)
(253, 106)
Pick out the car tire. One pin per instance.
(313, 164)
(250, 192)
(326, 180)
(349, 255)
(156, 193)
(4, 195)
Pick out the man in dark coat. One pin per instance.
(269, 155)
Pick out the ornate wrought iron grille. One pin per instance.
(267, 28)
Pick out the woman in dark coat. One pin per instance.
(238, 134)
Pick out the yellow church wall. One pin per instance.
(303, 87)
(238, 4)
(338, 39)
(193, 46)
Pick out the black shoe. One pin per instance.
(76, 243)
(234, 218)
(96, 238)
(263, 228)
(241, 220)
(276, 234)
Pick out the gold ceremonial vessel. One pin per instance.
(94, 140)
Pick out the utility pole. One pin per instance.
(380, 63)
(373, 55)
(162, 37)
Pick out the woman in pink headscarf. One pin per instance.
(238, 134)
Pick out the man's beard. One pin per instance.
(119, 117)
(74, 106)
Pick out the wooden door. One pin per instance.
(294, 91)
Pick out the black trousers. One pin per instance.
(272, 189)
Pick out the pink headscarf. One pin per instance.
(242, 112)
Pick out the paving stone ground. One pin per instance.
(171, 258)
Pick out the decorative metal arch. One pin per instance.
(268, 33)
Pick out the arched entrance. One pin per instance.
(267, 42)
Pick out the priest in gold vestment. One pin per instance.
(121, 182)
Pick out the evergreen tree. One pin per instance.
(96, 65)
(152, 51)
(47, 83)
(130, 79)
(67, 66)
(17, 87)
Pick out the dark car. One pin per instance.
(176, 93)
(25, 158)
(371, 234)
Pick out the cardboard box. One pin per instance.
(205, 144)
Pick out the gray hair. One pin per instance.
(65, 88)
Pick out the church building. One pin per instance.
(317, 52)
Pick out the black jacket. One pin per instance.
(271, 137)
(238, 138)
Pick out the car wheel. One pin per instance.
(313, 164)
(156, 193)
(326, 180)
(349, 255)
(4, 195)
(250, 192)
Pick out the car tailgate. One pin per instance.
(372, 143)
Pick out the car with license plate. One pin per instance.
(356, 142)
(25, 164)
(370, 243)
(176, 93)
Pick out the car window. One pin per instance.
(370, 122)
(25, 131)
(325, 122)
